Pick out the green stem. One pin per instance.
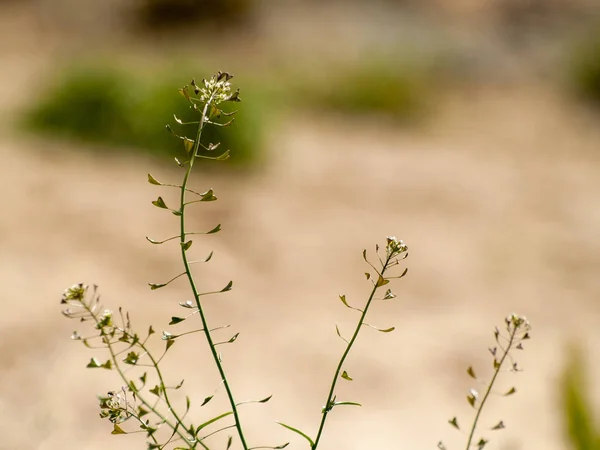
(489, 389)
(186, 264)
(327, 408)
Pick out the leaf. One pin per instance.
(155, 390)
(132, 358)
(345, 376)
(215, 229)
(511, 391)
(471, 373)
(208, 258)
(208, 196)
(229, 442)
(266, 399)
(482, 443)
(213, 420)
(228, 287)
(188, 144)
(343, 299)
(454, 423)
(233, 338)
(297, 431)
(340, 334)
(206, 400)
(117, 430)
(153, 180)
(346, 403)
(499, 426)
(93, 364)
(381, 281)
(170, 343)
(176, 320)
(368, 275)
(186, 245)
(160, 203)
(281, 446)
(382, 330)
(223, 156)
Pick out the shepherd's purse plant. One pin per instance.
(144, 403)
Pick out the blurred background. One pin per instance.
(468, 128)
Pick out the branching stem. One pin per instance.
(328, 404)
(190, 277)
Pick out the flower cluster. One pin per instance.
(395, 246)
(217, 89)
(75, 293)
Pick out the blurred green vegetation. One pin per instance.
(121, 110)
(125, 110)
(584, 68)
(577, 409)
(375, 87)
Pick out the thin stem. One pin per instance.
(186, 264)
(327, 408)
(489, 389)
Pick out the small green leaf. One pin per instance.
(155, 286)
(177, 212)
(471, 400)
(295, 430)
(471, 372)
(206, 400)
(346, 403)
(142, 411)
(176, 320)
(499, 426)
(208, 196)
(93, 364)
(155, 390)
(345, 376)
(368, 275)
(511, 391)
(223, 156)
(186, 245)
(229, 442)
(188, 144)
(228, 287)
(281, 446)
(343, 299)
(340, 334)
(153, 180)
(160, 203)
(132, 358)
(381, 281)
(266, 399)
(233, 338)
(107, 365)
(382, 330)
(454, 423)
(208, 258)
(215, 229)
(117, 430)
(170, 343)
(213, 420)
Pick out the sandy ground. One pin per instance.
(498, 198)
